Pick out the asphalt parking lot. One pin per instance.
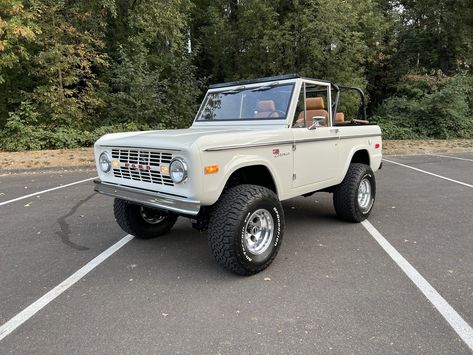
(332, 289)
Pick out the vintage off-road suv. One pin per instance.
(252, 145)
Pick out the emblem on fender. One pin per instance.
(277, 153)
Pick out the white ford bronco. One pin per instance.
(253, 144)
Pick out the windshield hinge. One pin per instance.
(293, 146)
(293, 176)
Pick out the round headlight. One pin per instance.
(178, 170)
(105, 162)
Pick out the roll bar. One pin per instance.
(339, 89)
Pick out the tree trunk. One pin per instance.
(61, 86)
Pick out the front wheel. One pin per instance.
(246, 228)
(140, 221)
(353, 199)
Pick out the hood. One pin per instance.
(170, 139)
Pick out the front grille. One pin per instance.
(142, 165)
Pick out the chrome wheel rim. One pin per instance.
(364, 195)
(259, 232)
(151, 216)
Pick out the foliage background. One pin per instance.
(73, 70)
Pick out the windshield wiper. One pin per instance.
(233, 91)
(266, 87)
(230, 92)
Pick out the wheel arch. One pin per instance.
(245, 168)
(358, 154)
(361, 156)
(255, 174)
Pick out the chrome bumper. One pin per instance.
(148, 198)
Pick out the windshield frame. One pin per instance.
(272, 84)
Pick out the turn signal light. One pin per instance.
(211, 169)
(115, 163)
(376, 146)
(164, 169)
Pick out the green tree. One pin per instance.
(151, 80)
(319, 38)
(58, 88)
(18, 29)
(67, 56)
(435, 34)
(429, 106)
(422, 36)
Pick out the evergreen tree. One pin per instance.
(152, 78)
(71, 70)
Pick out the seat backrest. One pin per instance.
(315, 107)
(266, 108)
(340, 117)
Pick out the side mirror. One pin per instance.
(318, 121)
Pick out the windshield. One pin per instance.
(257, 103)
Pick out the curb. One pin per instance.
(50, 169)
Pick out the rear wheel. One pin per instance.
(142, 222)
(246, 228)
(353, 199)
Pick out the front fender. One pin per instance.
(213, 185)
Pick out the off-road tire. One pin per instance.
(345, 196)
(129, 218)
(228, 221)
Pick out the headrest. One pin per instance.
(314, 103)
(266, 106)
(340, 117)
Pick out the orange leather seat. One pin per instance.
(340, 117)
(266, 108)
(315, 107)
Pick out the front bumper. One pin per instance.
(148, 198)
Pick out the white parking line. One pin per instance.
(451, 157)
(42, 302)
(429, 173)
(44, 191)
(462, 328)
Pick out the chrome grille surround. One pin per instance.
(142, 165)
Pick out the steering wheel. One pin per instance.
(278, 112)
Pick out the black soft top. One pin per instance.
(262, 80)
